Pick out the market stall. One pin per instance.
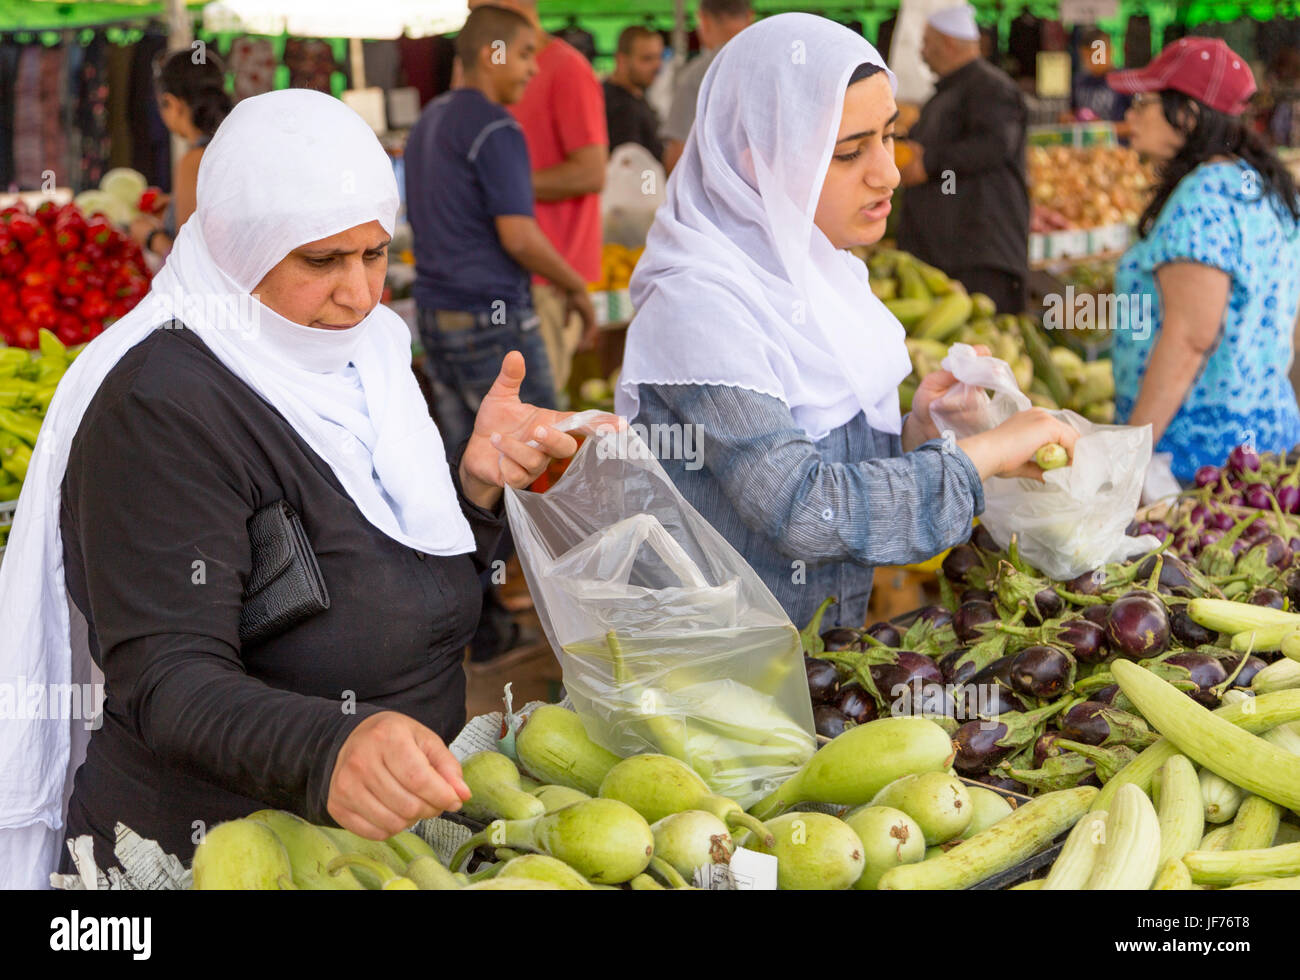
(1085, 695)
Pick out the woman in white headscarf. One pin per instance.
(131, 545)
(756, 324)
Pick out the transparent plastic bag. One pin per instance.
(634, 189)
(1075, 520)
(668, 640)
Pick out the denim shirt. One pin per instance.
(813, 517)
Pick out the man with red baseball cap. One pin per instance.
(1203, 67)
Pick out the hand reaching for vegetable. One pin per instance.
(1009, 449)
(513, 442)
(920, 426)
(390, 772)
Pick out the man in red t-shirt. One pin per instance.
(562, 115)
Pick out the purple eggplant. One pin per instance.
(1269, 598)
(1001, 782)
(960, 562)
(829, 721)
(1258, 496)
(1288, 498)
(1138, 625)
(841, 638)
(888, 678)
(935, 615)
(856, 704)
(823, 680)
(969, 615)
(1187, 631)
(1223, 521)
(1243, 460)
(982, 539)
(1106, 695)
(1089, 583)
(1041, 672)
(954, 672)
(1097, 723)
(1048, 603)
(1199, 514)
(1097, 614)
(1207, 476)
(886, 633)
(1045, 747)
(1085, 639)
(977, 595)
(1249, 669)
(1174, 573)
(1206, 672)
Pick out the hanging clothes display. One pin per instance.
(252, 62)
(90, 112)
(1022, 44)
(1137, 42)
(10, 52)
(121, 150)
(310, 64)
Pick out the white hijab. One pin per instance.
(284, 169)
(737, 285)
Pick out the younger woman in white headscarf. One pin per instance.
(275, 376)
(756, 324)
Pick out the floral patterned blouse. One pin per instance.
(1219, 215)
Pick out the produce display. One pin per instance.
(616, 265)
(936, 311)
(27, 383)
(1087, 187)
(1250, 504)
(65, 270)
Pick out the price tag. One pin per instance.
(749, 871)
(1088, 11)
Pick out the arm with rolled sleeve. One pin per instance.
(889, 510)
(160, 514)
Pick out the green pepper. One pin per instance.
(26, 427)
(51, 346)
(14, 456)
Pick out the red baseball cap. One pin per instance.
(1204, 68)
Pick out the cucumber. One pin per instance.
(1129, 857)
(1181, 812)
(1217, 744)
(554, 797)
(1173, 876)
(1008, 842)
(1074, 865)
(1255, 825)
(541, 867)
(1265, 712)
(1226, 867)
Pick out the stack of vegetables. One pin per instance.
(936, 311)
(1036, 657)
(1253, 499)
(578, 817)
(64, 270)
(27, 383)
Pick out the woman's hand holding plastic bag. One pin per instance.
(1071, 519)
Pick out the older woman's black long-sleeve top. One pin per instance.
(172, 457)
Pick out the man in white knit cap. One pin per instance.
(966, 207)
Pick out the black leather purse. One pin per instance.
(285, 585)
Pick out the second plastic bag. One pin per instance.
(669, 642)
(1075, 520)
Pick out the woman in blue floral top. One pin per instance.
(1212, 286)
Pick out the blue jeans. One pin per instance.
(462, 357)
